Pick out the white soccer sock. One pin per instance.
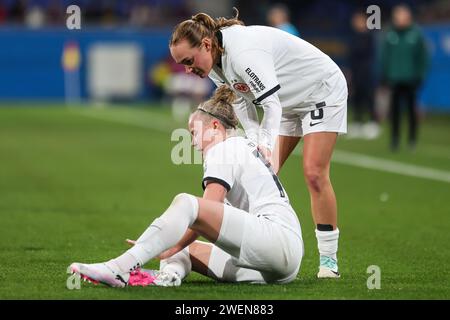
(327, 242)
(178, 263)
(126, 262)
(162, 234)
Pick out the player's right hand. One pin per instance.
(267, 154)
(130, 242)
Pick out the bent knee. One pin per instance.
(187, 203)
(185, 199)
(316, 177)
(181, 197)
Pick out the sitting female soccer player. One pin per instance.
(256, 239)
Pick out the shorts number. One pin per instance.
(317, 116)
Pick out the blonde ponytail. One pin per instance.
(220, 107)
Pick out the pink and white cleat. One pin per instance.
(141, 278)
(101, 272)
(163, 278)
(147, 277)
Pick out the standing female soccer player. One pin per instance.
(303, 94)
(256, 239)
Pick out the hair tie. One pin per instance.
(220, 118)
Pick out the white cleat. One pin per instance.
(100, 272)
(327, 273)
(328, 268)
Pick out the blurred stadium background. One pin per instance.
(85, 149)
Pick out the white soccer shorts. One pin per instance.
(323, 119)
(254, 249)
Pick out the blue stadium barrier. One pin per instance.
(435, 94)
(30, 61)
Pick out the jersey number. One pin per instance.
(258, 155)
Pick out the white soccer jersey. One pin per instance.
(269, 67)
(249, 180)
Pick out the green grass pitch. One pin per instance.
(76, 182)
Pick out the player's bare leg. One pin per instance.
(317, 151)
(209, 219)
(200, 252)
(283, 149)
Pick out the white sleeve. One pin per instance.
(270, 124)
(248, 117)
(218, 168)
(256, 69)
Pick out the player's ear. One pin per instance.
(215, 124)
(207, 43)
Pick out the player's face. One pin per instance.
(197, 129)
(197, 60)
(204, 133)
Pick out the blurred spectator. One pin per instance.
(404, 63)
(278, 17)
(109, 17)
(314, 15)
(140, 15)
(361, 56)
(35, 17)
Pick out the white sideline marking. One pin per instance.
(125, 118)
(339, 156)
(368, 162)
